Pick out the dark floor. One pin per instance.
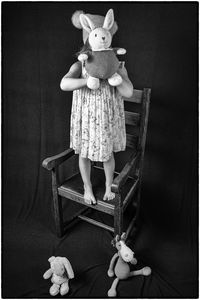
(28, 244)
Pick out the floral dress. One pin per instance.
(97, 122)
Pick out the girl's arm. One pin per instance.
(72, 81)
(125, 88)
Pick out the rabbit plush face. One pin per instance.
(57, 268)
(99, 38)
(126, 253)
(60, 265)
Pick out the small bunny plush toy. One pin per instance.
(100, 60)
(60, 272)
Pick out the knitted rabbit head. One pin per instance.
(124, 251)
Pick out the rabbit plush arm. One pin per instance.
(84, 56)
(72, 81)
(119, 51)
(47, 274)
(126, 87)
(110, 270)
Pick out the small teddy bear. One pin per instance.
(60, 272)
(119, 264)
(100, 59)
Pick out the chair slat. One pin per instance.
(131, 118)
(131, 141)
(137, 96)
(94, 222)
(134, 130)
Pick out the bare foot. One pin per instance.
(108, 194)
(89, 196)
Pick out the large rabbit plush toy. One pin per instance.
(100, 59)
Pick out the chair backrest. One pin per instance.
(136, 118)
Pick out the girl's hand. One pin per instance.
(126, 87)
(72, 81)
(123, 72)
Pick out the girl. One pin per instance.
(97, 124)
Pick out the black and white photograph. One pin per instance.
(100, 149)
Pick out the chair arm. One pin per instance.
(123, 175)
(51, 162)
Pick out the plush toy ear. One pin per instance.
(117, 238)
(109, 20)
(51, 258)
(123, 236)
(86, 23)
(68, 268)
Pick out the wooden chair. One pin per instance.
(127, 181)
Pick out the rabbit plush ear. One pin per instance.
(68, 268)
(86, 23)
(109, 20)
(51, 258)
(123, 236)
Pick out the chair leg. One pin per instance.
(58, 216)
(118, 216)
(134, 224)
(57, 204)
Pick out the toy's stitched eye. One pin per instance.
(95, 35)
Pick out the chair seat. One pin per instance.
(72, 189)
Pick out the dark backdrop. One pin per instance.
(39, 45)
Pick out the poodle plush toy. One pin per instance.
(60, 273)
(100, 59)
(119, 264)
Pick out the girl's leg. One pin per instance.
(109, 168)
(85, 170)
